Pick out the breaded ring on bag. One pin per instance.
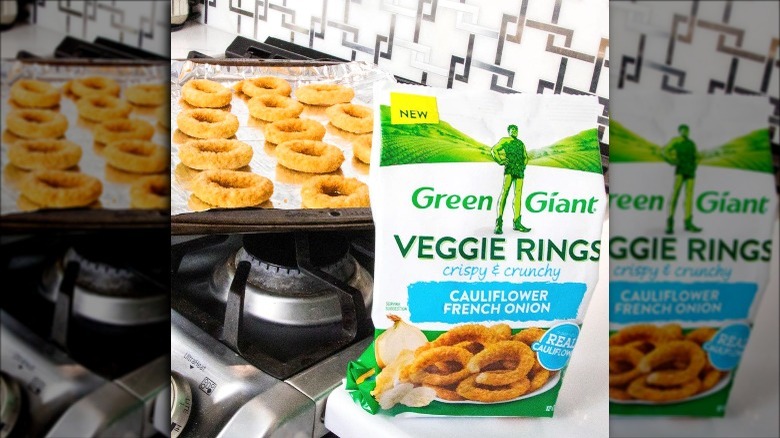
(204, 93)
(30, 93)
(207, 123)
(44, 154)
(640, 389)
(36, 123)
(471, 390)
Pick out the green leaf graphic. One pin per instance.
(748, 152)
(626, 146)
(442, 143)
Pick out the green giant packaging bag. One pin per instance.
(488, 212)
(692, 206)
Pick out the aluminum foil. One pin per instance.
(287, 183)
(116, 183)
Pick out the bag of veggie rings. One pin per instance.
(692, 207)
(488, 211)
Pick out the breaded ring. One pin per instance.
(467, 332)
(123, 129)
(499, 351)
(710, 379)
(620, 354)
(207, 123)
(204, 93)
(137, 156)
(30, 93)
(264, 85)
(539, 378)
(446, 392)
(619, 394)
(324, 94)
(503, 331)
(232, 189)
(61, 189)
(471, 390)
(44, 154)
(103, 107)
(309, 156)
(153, 192)
(92, 86)
(36, 123)
(361, 148)
(670, 352)
(639, 332)
(294, 129)
(164, 116)
(215, 154)
(530, 335)
(332, 191)
(641, 390)
(272, 107)
(417, 370)
(146, 94)
(351, 118)
(701, 335)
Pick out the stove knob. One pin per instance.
(10, 405)
(181, 403)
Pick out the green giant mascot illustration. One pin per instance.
(510, 152)
(681, 152)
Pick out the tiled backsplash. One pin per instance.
(144, 23)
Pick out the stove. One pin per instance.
(262, 329)
(80, 323)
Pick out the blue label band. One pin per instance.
(631, 302)
(554, 348)
(726, 347)
(458, 302)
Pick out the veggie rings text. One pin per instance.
(151, 192)
(103, 107)
(329, 191)
(499, 351)
(123, 129)
(670, 352)
(272, 107)
(137, 156)
(215, 154)
(146, 94)
(35, 123)
(471, 390)
(361, 148)
(351, 118)
(92, 86)
(640, 389)
(207, 123)
(44, 154)
(231, 188)
(263, 86)
(294, 129)
(30, 93)
(61, 189)
(324, 94)
(418, 373)
(309, 156)
(204, 93)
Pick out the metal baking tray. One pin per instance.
(284, 211)
(114, 209)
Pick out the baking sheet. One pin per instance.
(287, 183)
(116, 183)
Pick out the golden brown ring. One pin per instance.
(272, 107)
(92, 86)
(639, 332)
(61, 189)
(294, 129)
(207, 123)
(357, 119)
(204, 93)
(529, 336)
(103, 107)
(36, 123)
(471, 390)
(215, 154)
(701, 335)
(137, 156)
(153, 192)
(324, 94)
(620, 354)
(361, 148)
(331, 191)
(44, 154)
(264, 85)
(418, 373)
(146, 94)
(231, 188)
(467, 332)
(309, 156)
(640, 389)
(499, 351)
(30, 93)
(123, 129)
(671, 352)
